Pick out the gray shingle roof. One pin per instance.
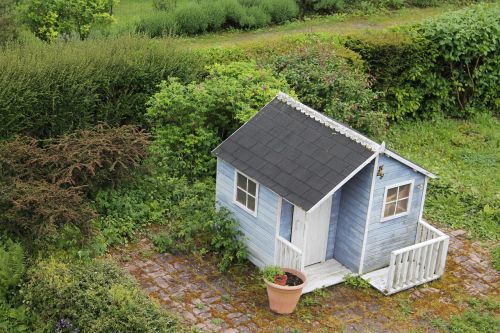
(294, 152)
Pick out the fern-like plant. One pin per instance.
(12, 267)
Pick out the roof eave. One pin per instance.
(408, 163)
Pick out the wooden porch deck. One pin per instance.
(378, 279)
(324, 274)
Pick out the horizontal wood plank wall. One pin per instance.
(260, 230)
(332, 229)
(353, 209)
(385, 237)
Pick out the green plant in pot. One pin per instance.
(284, 287)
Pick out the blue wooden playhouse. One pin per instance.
(313, 194)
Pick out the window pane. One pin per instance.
(404, 191)
(241, 197)
(392, 194)
(242, 181)
(389, 209)
(252, 187)
(402, 206)
(251, 203)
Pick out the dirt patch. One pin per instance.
(236, 301)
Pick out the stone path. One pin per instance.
(236, 302)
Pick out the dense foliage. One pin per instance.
(189, 120)
(8, 26)
(44, 184)
(185, 210)
(446, 65)
(52, 19)
(46, 90)
(327, 82)
(195, 17)
(91, 296)
(464, 48)
(14, 316)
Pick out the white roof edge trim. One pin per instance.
(347, 132)
(408, 163)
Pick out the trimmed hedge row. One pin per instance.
(91, 296)
(449, 65)
(193, 18)
(46, 90)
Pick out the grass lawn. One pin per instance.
(465, 155)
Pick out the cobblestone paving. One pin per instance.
(236, 302)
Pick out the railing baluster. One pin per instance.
(404, 280)
(390, 273)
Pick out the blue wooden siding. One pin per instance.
(286, 219)
(353, 209)
(332, 228)
(385, 237)
(259, 230)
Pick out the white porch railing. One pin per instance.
(419, 263)
(288, 255)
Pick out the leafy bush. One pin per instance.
(328, 83)
(92, 296)
(8, 25)
(189, 120)
(395, 61)
(47, 90)
(256, 17)
(36, 210)
(216, 13)
(187, 211)
(464, 48)
(157, 25)
(50, 19)
(43, 184)
(446, 65)
(164, 242)
(191, 18)
(281, 10)
(92, 158)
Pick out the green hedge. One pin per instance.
(449, 65)
(395, 61)
(196, 17)
(91, 296)
(46, 90)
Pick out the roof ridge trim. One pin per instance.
(346, 131)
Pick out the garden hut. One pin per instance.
(313, 194)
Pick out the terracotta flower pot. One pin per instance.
(284, 299)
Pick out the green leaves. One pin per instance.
(51, 19)
(190, 120)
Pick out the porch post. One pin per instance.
(368, 214)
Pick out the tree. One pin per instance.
(8, 26)
(51, 19)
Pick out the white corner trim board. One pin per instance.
(346, 131)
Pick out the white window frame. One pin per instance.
(242, 206)
(410, 197)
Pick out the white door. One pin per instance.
(316, 235)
